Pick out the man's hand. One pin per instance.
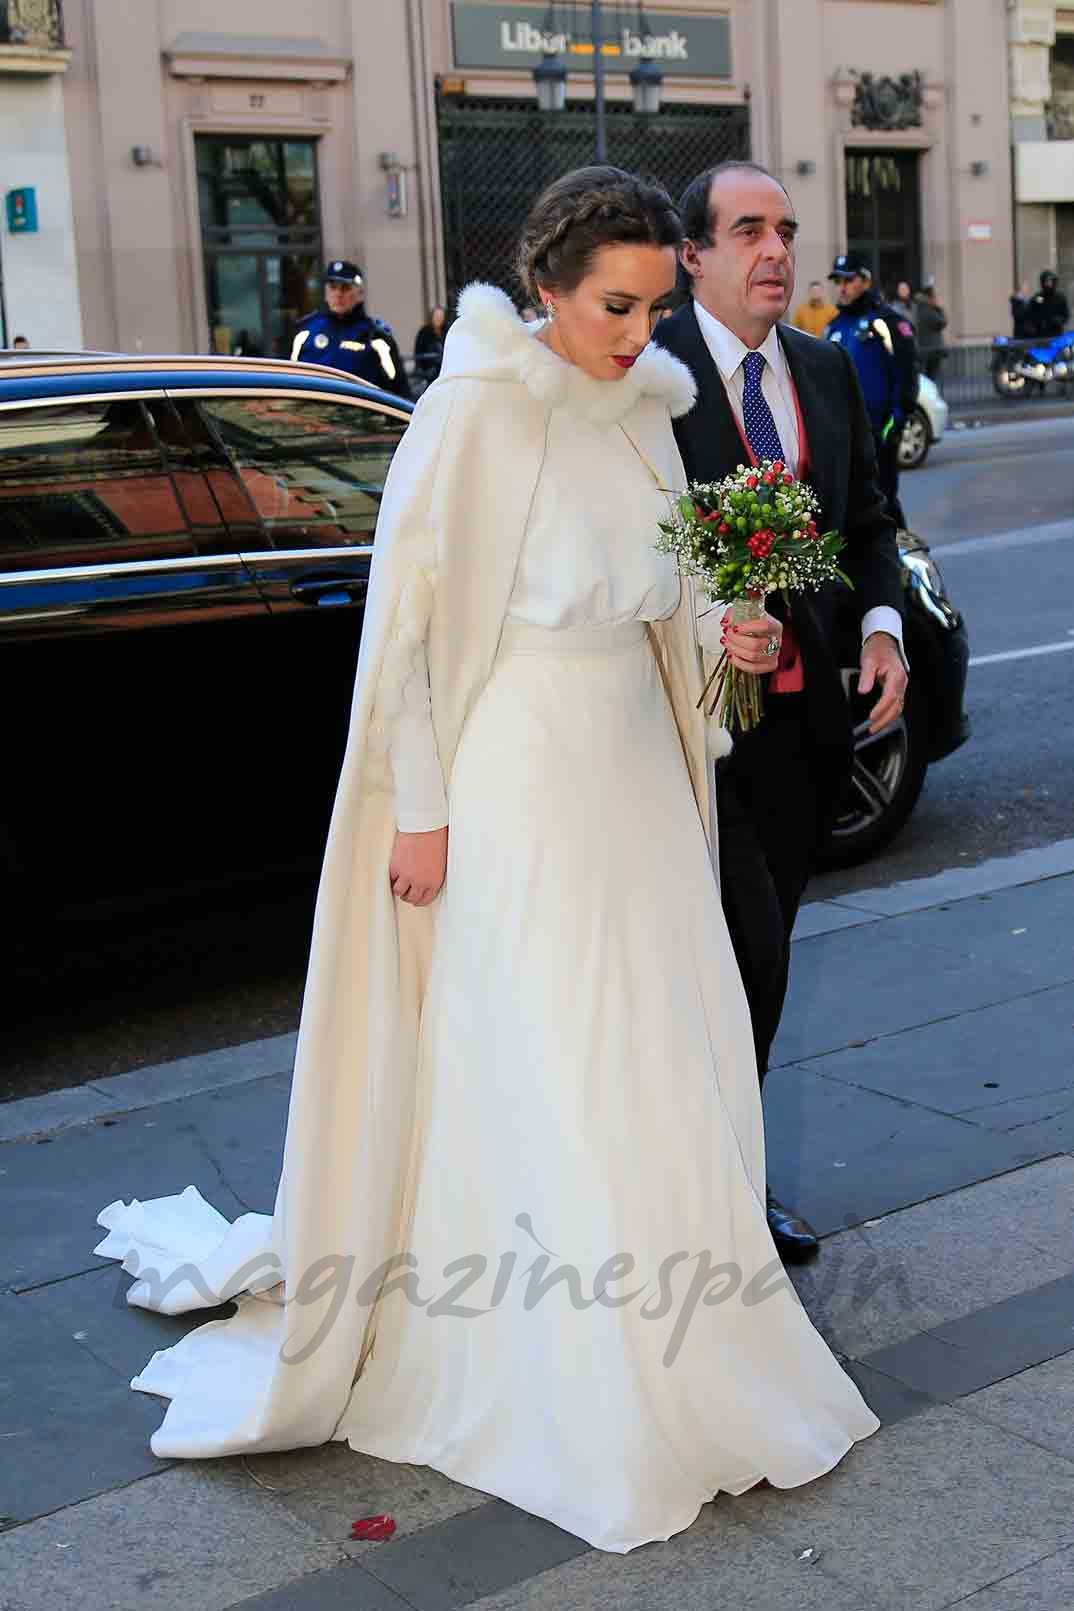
(747, 643)
(418, 866)
(881, 663)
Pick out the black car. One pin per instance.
(890, 766)
(184, 553)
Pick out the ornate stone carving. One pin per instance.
(887, 103)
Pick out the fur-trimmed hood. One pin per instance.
(489, 341)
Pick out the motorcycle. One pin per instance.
(1022, 367)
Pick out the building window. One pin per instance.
(261, 239)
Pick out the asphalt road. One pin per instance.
(997, 503)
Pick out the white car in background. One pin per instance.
(925, 426)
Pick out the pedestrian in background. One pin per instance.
(903, 300)
(815, 315)
(429, 346)
(20, 344)
(930, 322)
(343, 335)
(881, 345)
(1020, 312)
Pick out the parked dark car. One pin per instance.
(184, 553)
(890, 766)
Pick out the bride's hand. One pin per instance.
(418, 865)
(747, 643)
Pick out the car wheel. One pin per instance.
(915, 441)
(886, 780)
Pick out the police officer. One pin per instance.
(345, 336)
(880, 341)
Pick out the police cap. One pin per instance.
(849, 264)
(343, 273)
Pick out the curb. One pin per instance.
(260, 1059)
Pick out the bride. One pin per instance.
(520, 1233)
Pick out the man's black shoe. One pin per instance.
(795, 1240)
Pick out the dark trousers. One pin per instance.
(887, 472)
(768, 814)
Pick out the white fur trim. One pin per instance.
(718, 741)
(505, 343)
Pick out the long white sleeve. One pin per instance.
(420, 797)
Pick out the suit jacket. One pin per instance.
(842, 472)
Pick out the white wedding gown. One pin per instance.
(586, 1089)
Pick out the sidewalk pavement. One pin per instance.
(921, 1114)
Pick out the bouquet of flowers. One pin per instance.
(743, 538)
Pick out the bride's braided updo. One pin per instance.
(585, 210)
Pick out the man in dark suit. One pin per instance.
(767, 390)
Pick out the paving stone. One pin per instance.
(333, 1485)
(889, 1399)
(228, 1143)
(1030, 1114)
(1027, 928)
(1046, 1584)
(927, 1511)
(962, 1066)
(52, 1192)
(840, 1154)
(69, 1426)
(241, 1128)
(842, 990)
(471, 1555)
(964, 1355)
(92, 1309)
(887, 1279)
(198, 1537)
(337, 1588)
(1037, 1405)
(825, 917)
(716, 1563)
(958, 884)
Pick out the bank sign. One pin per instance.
(517, 37)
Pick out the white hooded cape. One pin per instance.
(448, 541)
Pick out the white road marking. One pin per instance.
(1020, 654)
(1055, 531)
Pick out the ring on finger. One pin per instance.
(771, 647)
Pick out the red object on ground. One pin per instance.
(376, 1528)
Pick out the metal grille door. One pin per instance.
(497, 155)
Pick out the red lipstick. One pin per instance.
(624, 363)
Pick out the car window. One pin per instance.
(313, 470)
(84, 483)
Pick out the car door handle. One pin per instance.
(327, 590)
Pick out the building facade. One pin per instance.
(39, 295)
(218, 153)
(1042, 135)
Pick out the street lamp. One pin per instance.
(550, 76)
(646, 77)
(645, 80)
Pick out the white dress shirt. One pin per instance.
(728, 353)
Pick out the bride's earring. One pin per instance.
(550, 311)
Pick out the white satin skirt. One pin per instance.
(589, 1318)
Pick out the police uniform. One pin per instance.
(356, 342)
(880, 341)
